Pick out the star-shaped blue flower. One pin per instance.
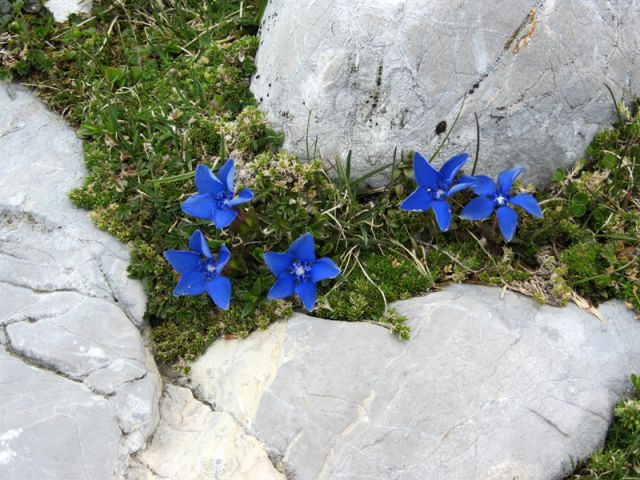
(298, 271)
(200, 271)
(435, 187)
(492, 197)
(216, 198)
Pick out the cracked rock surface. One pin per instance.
(487, 388)
(195, 442)
(381, 74)
(78, 390)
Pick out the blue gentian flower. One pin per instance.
(298, 271)
(200, 271)
(492, 197)
(435, 187)
(216, 199)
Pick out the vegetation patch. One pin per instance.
(620, 458)
(156, 88)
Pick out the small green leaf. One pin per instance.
(578, 210)
(559, 175)
(89, 130)
(599, 216)
(609, 161)
(114, 75)
(609, 254)
(247, 309)
(580, 198)
(136, 74)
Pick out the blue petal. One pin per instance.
(307, 292)
(284, 287)
(304, 248)
(507, 221)
(226, 174)
(528, 202)
(506, 179)
(199, 244)
(219, 289)
(182, 261)
(278, 262)
(192, 283)
(443, 214)
(458, 187)
(466, 179)
(223, 258)
(207, 182)
(199, 205)
(424, 173)
(477, 209)
(451, 168)
(222, 217)
(484, 186)
(324, 268)
(419, 200)
(245, 195)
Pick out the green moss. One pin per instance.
(374, 282)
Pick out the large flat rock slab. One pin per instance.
(376, 75)
(79, 390)
(488, 387)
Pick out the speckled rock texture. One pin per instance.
(61, 9)
(488, 387)
(381, 74)
(78, 389)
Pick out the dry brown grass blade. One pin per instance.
(584, 304)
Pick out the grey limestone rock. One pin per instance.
(487, 387)
(379, 74)
(53, 427)
(79, 390)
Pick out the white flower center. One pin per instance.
(440, 193)
(211, 268)
(501, 200)
(299, 270)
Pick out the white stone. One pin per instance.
(487, 387)
(193, 442)
(376, 75)
(250, 364)
(61, 9)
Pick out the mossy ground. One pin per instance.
(156, 89)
